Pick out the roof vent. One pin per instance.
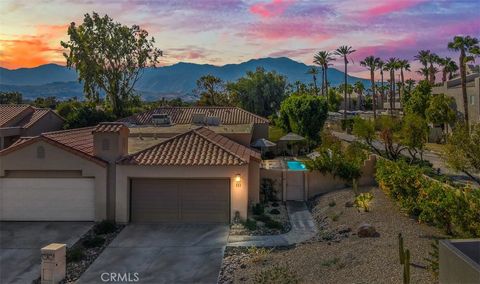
(161, 119)
(198, 118)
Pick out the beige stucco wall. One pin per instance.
(57, 159)
(238, 194)
(48, 122)
(242, 138)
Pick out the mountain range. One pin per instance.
(177, 80)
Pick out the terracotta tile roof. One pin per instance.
(80, 139)
(198, 147)
(183, 115)
(77, 141)
(9, 112)
(109, 127)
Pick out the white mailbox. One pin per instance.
(54, 265)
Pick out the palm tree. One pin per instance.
(448, 67)
(424, 56)
(358, 87)
(391, 65)
(344, 51)
(372, 63)
(382, 88)
(323, 58)
(313, 71)
(432, 59)
(466, 45)
(403, 65)
(410, 83)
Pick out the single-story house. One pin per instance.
(24, 120)
(88, 174)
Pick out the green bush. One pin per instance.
(456, 210)
(274, 211)
(75, 255)
(347, 124)
(263, 218)
(258, 209)
(105, 227)
(272, 224)
(93, 242)
(250, 225)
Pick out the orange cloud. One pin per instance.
(33, 50)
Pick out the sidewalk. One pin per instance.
(303, 228)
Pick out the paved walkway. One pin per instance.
(303, 228)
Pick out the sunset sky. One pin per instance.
(232, 31)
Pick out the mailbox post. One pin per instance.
(54, 265)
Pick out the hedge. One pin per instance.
(456, 210)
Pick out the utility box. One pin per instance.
(54, 264)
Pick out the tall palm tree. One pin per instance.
(423, 56)
(344, 51)
(371, 62)
(391, 65)
(313, 71)
(323, 58)
(358, 87)
(449, 66)
(466, 46)
(382, 88)
(432, 59)
(403, 65)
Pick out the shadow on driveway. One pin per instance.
(20, 244)
(161, 253)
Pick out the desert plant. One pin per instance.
(258, 209)
(363, 200)
(250, 225)
(332, 203)
(406, 268)
(272, 224)
(401, 251)
(75, 254)
(93, 242)
(330, 262)
(258, 254)
(275, 204)
(105, 227)
(274, 211)
(277, 275)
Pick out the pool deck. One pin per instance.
(280, 164)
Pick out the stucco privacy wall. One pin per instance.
(238, 194)
(316, 182)
(57, 159)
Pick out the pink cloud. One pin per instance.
(271, 9)
(389, 6)
(281, 29)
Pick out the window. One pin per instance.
(40, 152)
(105, 144)
(472, 100)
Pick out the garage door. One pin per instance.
(47, 199)
(190, 201)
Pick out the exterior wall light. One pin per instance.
(238, 178)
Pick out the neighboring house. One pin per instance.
(88, 174)
(25, 120)
(453, 88)
(235, 123)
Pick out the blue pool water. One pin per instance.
(296, 166)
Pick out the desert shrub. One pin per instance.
(258, 254)
(347, 124)
(93, 242)
(275, 204)
(75, 254)
(274, 211)
(456, 210)
(258, 209)
(262, 218)
(332, 203)
(277, 275)
(272, 224)
(363, 200)
(105, 227)
(250, 225)
(330, 262)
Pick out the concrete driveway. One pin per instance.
(20, 244)
(159, 253)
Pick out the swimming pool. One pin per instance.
(296, 166)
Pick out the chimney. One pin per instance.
(110, 141)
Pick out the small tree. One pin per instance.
(334, 100)
(414, 135)
(109, 57)
(304, 114)
(212, 92)
(439, 111)
(418, 101)
(10, 98)
(365, 130)
(462, 152)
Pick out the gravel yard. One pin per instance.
(337, 254)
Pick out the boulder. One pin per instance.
(367, 231)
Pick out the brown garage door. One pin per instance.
(192, 200)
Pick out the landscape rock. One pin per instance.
(349, 204)
(367, 231)
(342, 229)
